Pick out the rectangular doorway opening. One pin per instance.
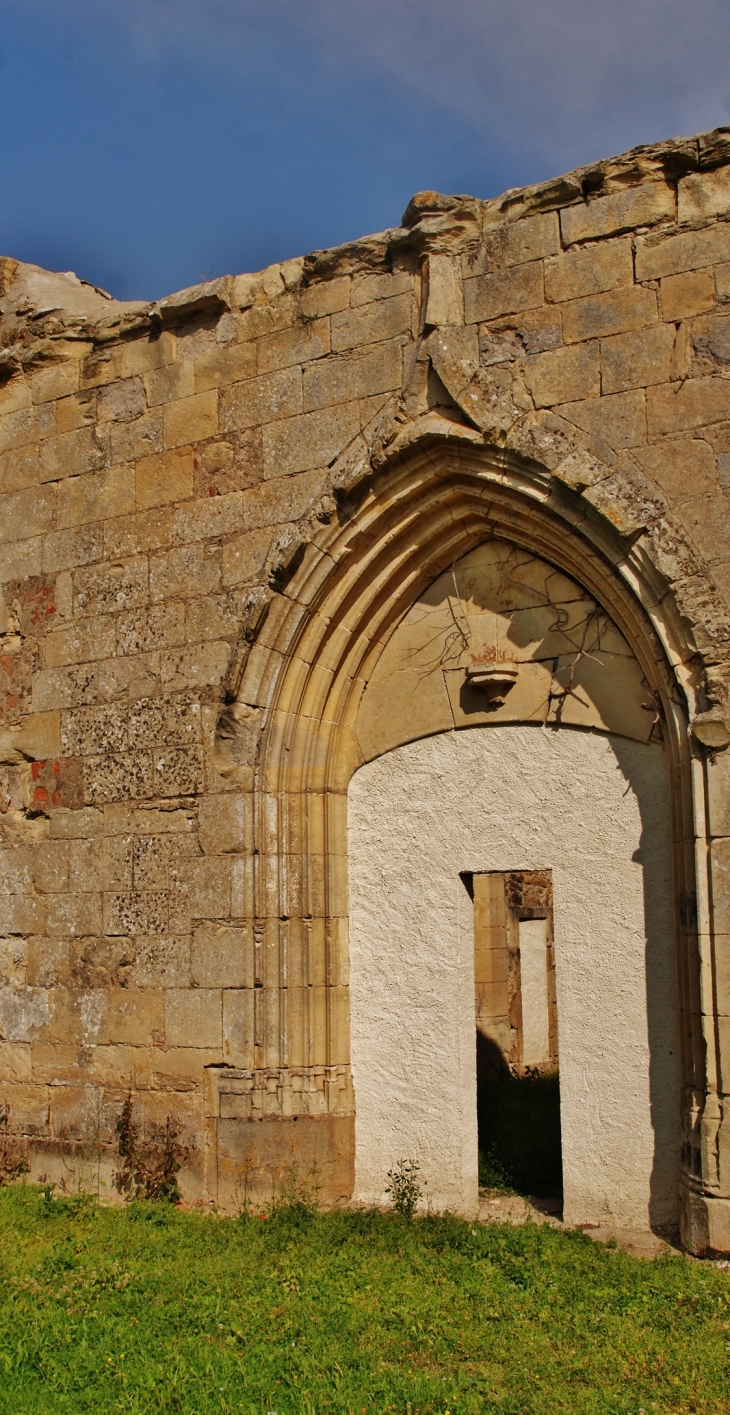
(518, 1082)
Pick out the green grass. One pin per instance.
(154, 1309)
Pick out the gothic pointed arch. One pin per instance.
(302, 684)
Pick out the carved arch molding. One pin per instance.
(300, 692)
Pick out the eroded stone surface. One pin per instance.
(173, 479)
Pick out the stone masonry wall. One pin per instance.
(159, 468)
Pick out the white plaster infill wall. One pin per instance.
(595, 810)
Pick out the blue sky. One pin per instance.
(150, 144)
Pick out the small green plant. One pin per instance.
(405, 1188)
(492, 1174)
(149, 1165)
(297, 1195)
(12, 1164)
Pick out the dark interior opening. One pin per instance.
(518, 1120)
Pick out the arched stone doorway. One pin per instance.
(299, 698)
(565, 775)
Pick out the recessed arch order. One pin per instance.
(300, 691)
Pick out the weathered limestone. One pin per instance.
(218, 517)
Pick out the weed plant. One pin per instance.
(12, 1161)
(149, 1165)
(405, 1188)
(147, 1308)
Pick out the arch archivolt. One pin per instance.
(302, 689)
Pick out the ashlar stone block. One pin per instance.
(63, 550)
(637, 360)
(293, 346)
(312, 440)
(26, 426)
(164, 385)
(193, 1017)
(24, 1013)
(16, 869)
(702, 195)
(327, 297)
(96, 496)
(136, 912)
(163, 478)
(353, 376)
(197, 666)
(123, 401)
(261, 400)
(83, 642)
(445, 301)
(207, 516)
(26, 513)
(89, 730)
(15, 1062)
(560, 375)
(226, 364)
(70, 454)
(488, 296)
(19, 469)
(371, 323)
(613, 313)
(20, 559)
(681, 467)
(691, 250)
(201, 890)
(673, 408)
(58, 381)
(16, 394)
(620, 211)
(589, 270)
(239, 1027)
(226, 824)
(244, 558)
(142, 354)
(181, 1068)
(13, 961)
(74, 915)
(137, 533)
(106, 588)
(188, 569)
(685, 295)
(191, 419)
(366, 289)
(134, 1017)
(222, 957)
(139, 438)
(51, 866)
(514, 243)
(619, 419)
(160, 962)
(100, 864)
(64, 687)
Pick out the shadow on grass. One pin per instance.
(519, 1127)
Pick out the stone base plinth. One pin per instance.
(705, 1224)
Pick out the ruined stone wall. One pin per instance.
(161, 468)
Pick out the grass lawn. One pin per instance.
(150, 1308)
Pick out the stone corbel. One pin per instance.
(711, 730)
(495, 680)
